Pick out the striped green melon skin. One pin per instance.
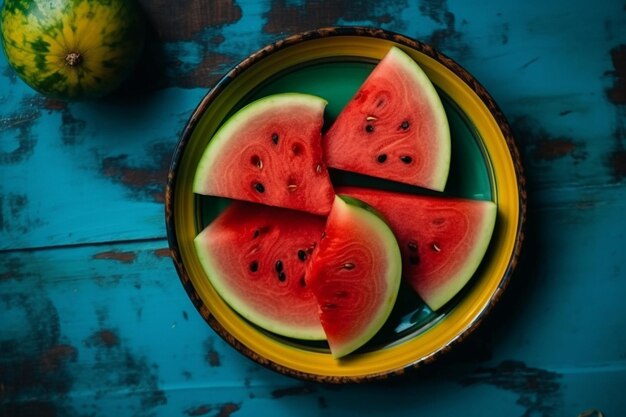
(72, 49)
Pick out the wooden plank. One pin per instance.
(92, 172)
(89, 179)
(508, 393)
(108, 327)
(94, 321)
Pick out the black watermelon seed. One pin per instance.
(382, 158)
(404, 125)
(254, 266)
(275, 138)
(406, 159)
(256, 234)
(302, 255)
(259, 187)
(348, 265)
(302, 282)
(256, 160)
(369, 128)
(282, 277)
(414, 260)
(412, 246)
(279, 266)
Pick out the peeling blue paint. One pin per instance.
(94, 321)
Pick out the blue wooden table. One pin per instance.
(94, 320)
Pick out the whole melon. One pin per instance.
(72, 49)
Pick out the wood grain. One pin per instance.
(94, 319)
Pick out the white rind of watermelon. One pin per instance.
(355, 275)
(270, 152)
(395, 127)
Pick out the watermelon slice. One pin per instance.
(395, 127)
(256, 257)
(442, 239)
(270, 152)
(355, 275)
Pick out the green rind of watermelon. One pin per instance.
(442, 239)
(246, 234)
(38, 35)
(270, 152)
(355, 275)
(395, 127)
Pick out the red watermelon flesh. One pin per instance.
(395, 127)
(355, 275)
(270, 152)
(256, 257)
(442, 239)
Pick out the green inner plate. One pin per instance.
(337, 81)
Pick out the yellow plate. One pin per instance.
(332, 62)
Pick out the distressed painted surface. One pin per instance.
(558, 75)
(93, 319)
(110, 326)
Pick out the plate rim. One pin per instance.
(251, 60)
